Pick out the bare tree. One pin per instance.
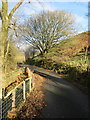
(6, 18)
(44, 30)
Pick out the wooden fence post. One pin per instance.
(3, 93)
(24, 96)
(13, 99)
(28, 72)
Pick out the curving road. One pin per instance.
(63, 99)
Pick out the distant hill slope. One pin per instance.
(72, 48)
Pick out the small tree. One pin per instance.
(6, 18)
(44, 30)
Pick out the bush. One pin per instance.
(74, 74)
(14, 56)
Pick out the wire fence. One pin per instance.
(19, 95)
(27, 86)
(6, 105)
(15, 97)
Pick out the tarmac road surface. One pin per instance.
(63, 99)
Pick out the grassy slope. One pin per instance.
(71, 51)
(68, 59)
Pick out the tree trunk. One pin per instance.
(4, 31)
(5, 25)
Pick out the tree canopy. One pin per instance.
(44, 30)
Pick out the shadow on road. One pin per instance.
(63, 99)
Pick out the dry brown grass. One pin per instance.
(35, 100)
(16, 81)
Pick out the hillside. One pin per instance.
(70, 59)
(73, 49)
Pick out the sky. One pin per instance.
(78, 7)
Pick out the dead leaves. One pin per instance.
(35, 101)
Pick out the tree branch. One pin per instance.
(14, 9)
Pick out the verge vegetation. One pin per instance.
(12, 70)
(35, 100)
(14, 56)
(69, 58)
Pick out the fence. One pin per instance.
(15, 97)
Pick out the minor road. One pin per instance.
(63, 99)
